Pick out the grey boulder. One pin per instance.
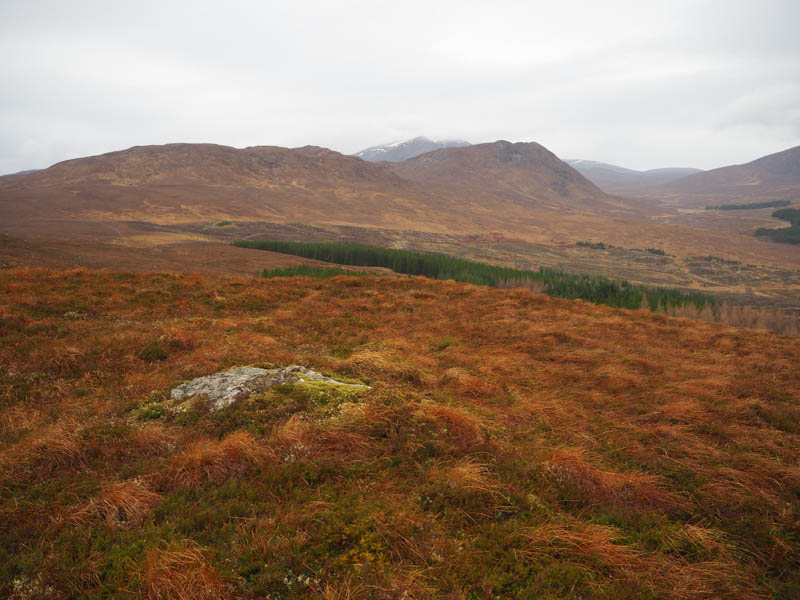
(222, 389)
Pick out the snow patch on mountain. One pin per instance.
(403, 150)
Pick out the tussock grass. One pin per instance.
(462, 429)
(119, 504)
(345, 590)
(55, 447)
(466, 475)
(510, 445)
(299, 436)
(180, 571)
(571, 469)
(583, 542)
(213, 460)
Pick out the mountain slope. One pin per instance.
(186, 183)
(158, 196)
(400, 151)
(771, 177)
(195, 182)
(526, 173)
(210, 164)
(781, 168)
(619, 180)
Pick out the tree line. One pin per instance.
(560, 284)
(786, 235)
(751, 205)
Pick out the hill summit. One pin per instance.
(526, 173)
(400, 151)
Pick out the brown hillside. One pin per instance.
(191, 183)
(211, 164)
(527, 174)
(776, 176)
(160, 196)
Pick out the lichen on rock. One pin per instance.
(222, 389)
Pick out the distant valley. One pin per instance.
(619, 180)
(517, 204)
(772, 177)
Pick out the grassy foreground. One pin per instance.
(511, 445)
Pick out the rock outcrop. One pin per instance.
(222, 389)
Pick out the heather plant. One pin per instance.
(510, 444)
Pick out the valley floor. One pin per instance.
(204, 247)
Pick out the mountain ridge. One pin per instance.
(770, 177)
(403, 150)
(614, 179)
(776, 168)
(201, 182)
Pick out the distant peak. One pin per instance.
(403, 150)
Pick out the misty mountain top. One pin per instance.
(403, 150)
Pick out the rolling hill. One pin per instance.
(190, 183)
(180, 183)
(772, 177)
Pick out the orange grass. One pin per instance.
(571, 467)
(511, 445)
(179, 571)
(55, 447)
(463, 429)
(210, 459)
(299, 436)
(585, 542)
(119, 504)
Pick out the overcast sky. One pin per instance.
(642, 84)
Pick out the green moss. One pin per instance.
(150, 412)
(152, 352)
(443, 343)
(322, 393)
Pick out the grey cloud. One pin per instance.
(689, 83)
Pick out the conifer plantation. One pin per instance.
(599, 290)
(787, 235)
